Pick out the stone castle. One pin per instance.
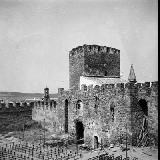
(100, 107)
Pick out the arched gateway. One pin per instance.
(79, 132)
(95, 142)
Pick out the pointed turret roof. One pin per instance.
(132, 76)
(46, 87)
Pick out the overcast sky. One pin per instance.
(37, 35)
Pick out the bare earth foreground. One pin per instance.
(36, 136)
(140, 153)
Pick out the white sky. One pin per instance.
(37, 35)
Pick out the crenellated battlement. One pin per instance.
(154, 86)
(60, 91)
(93, 48)
(146, 87)
(15, 107)
(122, 87)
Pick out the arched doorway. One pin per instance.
(66, 116)
(79, 132)
(144, 107)
(95, 142)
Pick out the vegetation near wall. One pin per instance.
(17, 122)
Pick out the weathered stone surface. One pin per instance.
(93, 60)
(104, 111)
(94, 111)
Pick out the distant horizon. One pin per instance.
(57, 89)
(36, 37)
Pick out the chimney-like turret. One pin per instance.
(46, 95)
(132, 76)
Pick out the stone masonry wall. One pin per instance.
(101, 61)
(96, 114)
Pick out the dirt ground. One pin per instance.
(146, 153)
(36, 136)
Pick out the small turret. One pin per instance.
(132, 76)
(46, 95)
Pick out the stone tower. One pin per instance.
(93, 61)
(46, 96)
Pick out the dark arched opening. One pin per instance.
(78, 104)
(95, 142)
(112, 111)
(66, 116)
(79, 132)
(144, 107)
(54, 103)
